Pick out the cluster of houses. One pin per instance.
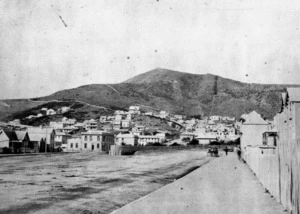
(46, 111)
(119, 129)
(47, 139)
(71, 135)
(211, 129)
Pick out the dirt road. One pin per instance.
(225, 185)
(87, 182)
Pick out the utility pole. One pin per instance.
(46, 142)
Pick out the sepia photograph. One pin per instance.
(149, 107)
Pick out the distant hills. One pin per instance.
(162, 89)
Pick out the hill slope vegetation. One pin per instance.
(173, 91)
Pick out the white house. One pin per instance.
(118, 117)
(50, 112)
(125, 123)
(205, 138)
(149, 113)
(91, 124)
(163, 114)
(146, 139)
(252, 130)
(73, 144)
(96, 140)
(126, 139)
(134, 109)
(65, 109)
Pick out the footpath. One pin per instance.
(225, 185)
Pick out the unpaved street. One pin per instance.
(88, 182)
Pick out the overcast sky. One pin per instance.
(52, 45)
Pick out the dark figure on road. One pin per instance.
(226, 150)
(239, 153)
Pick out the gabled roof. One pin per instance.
(36, 137)
(293, 94)
(21, 135)
(255, 119)
(11, 135)
(38, 130)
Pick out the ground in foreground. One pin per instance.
(88, 182)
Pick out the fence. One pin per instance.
(278, 170)
(129, 150)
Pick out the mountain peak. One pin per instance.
(156, 75)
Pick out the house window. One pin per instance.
(76, 145)
(71, 145)
(91, 138)
(98, 146)
(85, 138)
(85, 145)
(98, 138)
(103, 138)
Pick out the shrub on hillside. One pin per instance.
(186, 139)
(193, 142)
(155, 144)
(175, 144)
(214, 143)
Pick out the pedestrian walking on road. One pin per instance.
(239, 153)
(226, 150)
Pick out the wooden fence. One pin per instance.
(279, 172)
(289, 174)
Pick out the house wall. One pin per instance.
(265, 164)
(252, 135)
(91, 143)
(4, 141)
(204, 141)
(297, 120)
(107, 141)
(74, 144)
(144, 140)
(96, 142)
(279, 172)
(126, 140)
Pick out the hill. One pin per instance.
(162, 89)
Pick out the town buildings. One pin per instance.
(126, 139)
(61, 139)
(288, 119)
(42, 134)
(95, 140)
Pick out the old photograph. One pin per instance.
(149, 107)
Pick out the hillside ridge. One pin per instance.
(174, 91)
